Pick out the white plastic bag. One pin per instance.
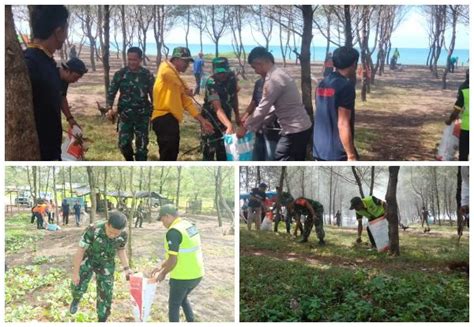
(449, 143)
(239, 149)
(142, 293)
(266, 224)
(379, 230)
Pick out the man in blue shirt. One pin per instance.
(197, 69)
(333, 134)
(49, 29)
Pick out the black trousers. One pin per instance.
(292, 147)
(179, 291)
(65, 217)
(464, 145)
(371, 238)
(167, 135)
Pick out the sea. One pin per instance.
(408, 56)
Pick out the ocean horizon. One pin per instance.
(408, 56)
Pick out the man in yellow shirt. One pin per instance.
(171, 97)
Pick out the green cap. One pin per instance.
(220, 65)
(167, 209)
(183, 53)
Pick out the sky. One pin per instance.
(403, 37)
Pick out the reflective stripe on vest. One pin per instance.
(189, 263)
(465, 113)
(372, 210)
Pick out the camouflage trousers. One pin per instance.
(105, 287)
(213, 147)
(317, 222)
(133, 124)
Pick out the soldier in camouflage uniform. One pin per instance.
(313, 210)
(96, 254)
(134, 106)
(220, 100)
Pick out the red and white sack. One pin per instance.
(142, 293)
(449, 143)
(71, 150)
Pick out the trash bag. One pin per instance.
(449, 143)
(379, 230)
(266, 224)
(74, 146)
(239, 149)
(204, 79)
(142, 293)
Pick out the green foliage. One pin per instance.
(18, 236)
(343, 282)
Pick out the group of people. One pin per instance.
(45, 208)
(103, 240)
(306, 213)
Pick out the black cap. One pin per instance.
(263, 185)
(354, 202)
(117, 219)
(76, 65)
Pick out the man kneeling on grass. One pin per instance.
(96, 254)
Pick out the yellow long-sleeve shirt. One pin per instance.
(169, 94)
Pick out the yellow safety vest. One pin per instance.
(465, 113)
(372, 210)
(189, 258)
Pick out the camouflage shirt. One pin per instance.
(99, 248)
(225, 92)
(134, 88)
(301, 209)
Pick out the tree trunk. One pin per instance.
(56, 211)
(372, 180)
(70, 181)
(305, 59)
(131, 214)
(454, 18)
(392, 212)
(124, 36)
(21, 137)
(347, 26)
(93, 195)
(217, 189)
(106, 48)
(358, 181)
(149, 193)
(105, 194)
(179, 185)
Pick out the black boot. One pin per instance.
(74, 306)
(321, 242)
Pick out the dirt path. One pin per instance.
(213, 299)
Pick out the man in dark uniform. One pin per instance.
(255, 206)
(96, 254)
(285, 199)
(134, 106)
(424, 219)
(333, 132)
(220, 100)
(70, 72)
(140, 213)
(313, 210)
(65, 209)
(49, 29)
(183, 261)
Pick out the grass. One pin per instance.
(19, 236)
(282, 280)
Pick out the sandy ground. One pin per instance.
(213, 299)
(402, 118)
